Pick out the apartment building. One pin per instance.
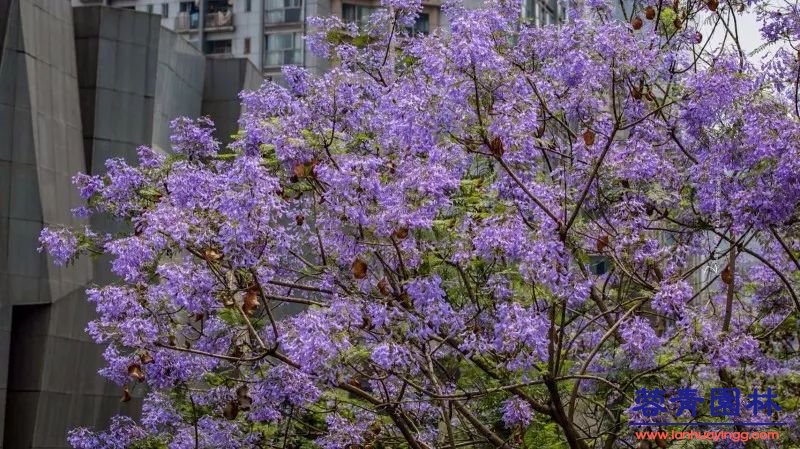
(270, 32)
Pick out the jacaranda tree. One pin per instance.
(491, 236)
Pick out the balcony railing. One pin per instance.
(215, 21)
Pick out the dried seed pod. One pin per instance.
(212, 254)
(496, 147)
(588, 137)
(712, 4)
(299, 219)
(126, 395)
(299, 170)
(727, 275)
(400, 233)
(250, 303)
(637, 23)
(359, 269)
(650, 13)
(146, 358)
(231, 410)
(243, 398)
(677, 23)
(601, 244)
(136, 373)
(383, 287)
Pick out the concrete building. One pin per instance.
(78, 86)
(270, 32)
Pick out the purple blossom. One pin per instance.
(60, 243)
(516, 412)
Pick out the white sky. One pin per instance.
(749, 35)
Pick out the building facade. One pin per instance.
(270, 32)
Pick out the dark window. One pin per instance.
(422, 25)
(248, 5)
(188, 7)
(150, 9)
(165, 9)
(598, 265)
(218, 47)
(247, 45)
(358, 14)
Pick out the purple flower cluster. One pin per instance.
(471, 237)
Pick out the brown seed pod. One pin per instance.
(677, 23)
(727, 275)
(601, 244)
(126, 395)
(136, 373)
(243, 398)
(359, 269)
(383, 287)
(636, 93)
(250, 303)
(299, 219)
(231, 410)
(712, 5)
(496, 147)
(146, 358)
(588, 137)
(650, 13)
(212, 255)
(400, 233)
(299, 170)
(637, 23)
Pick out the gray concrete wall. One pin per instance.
(179, 84)
(225, 78)
(41, 147)
(117, 53)
(55, 121)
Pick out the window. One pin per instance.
(150, 9)
(283, 11)
(165, 9)
(284, 49)
(188, 7)
(248, 5)
(357, 14)
(422, 25)
(598, 265)
(541, 12)
(247, 45)
(218, 47)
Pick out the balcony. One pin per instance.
(216, 21)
